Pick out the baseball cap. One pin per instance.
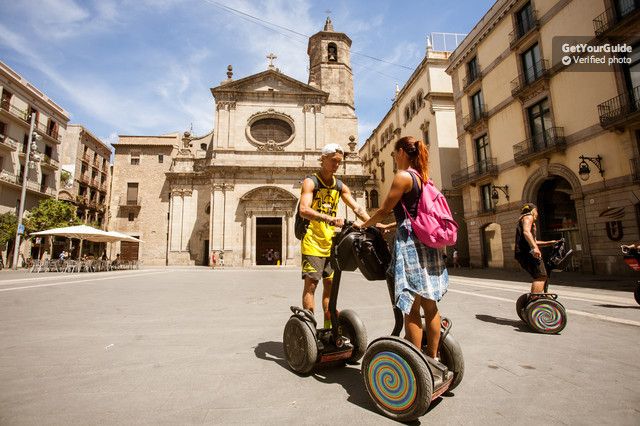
(332, 148)
(527, 208)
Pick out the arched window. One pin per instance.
(413, 107)
(407, 114)
(374, 199)
(332, 52)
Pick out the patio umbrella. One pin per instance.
(85, 232)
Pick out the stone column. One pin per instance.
(217, 210)
(309, 127)
(291, 238)
(248, 232)
(222, 133)
(231, 125)
(253, 240)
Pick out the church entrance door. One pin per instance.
(268, 240)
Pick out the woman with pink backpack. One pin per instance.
(418, 270)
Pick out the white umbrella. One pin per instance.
(84, 232)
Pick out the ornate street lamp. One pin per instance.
(494, 192)
(583, 168)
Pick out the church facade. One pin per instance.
(234, 191)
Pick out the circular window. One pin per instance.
(270, 130)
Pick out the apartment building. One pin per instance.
(86, 174)
(424, 109)
(534, 127)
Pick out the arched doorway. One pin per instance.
(492, 253)
(558, 216)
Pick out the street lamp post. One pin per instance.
(27, 162)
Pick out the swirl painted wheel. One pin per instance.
(300, 348)
(520, 305)
(546, 316)
(397, 379)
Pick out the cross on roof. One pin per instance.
(271, 57)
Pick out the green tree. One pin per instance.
(51, 213)
(8, 228)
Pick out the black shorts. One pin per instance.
(535, 267)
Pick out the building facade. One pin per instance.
(234, 190)
(86, 175)
(532, 128)
(424, 109)
(19, 102)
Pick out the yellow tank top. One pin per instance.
(317, 240)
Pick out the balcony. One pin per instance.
(551, 140)
(86, 158)
(95, 183)
(5, 176)
(473, 120)
(621, 111)
(614, 23)
(129, 202)
(523, 31)
(82, 200)
(103, 186)
(45, 131)
(7, 143)
(50, 162)
(469, 80)
(84, 179)
(475, 172)
(16, 112)
(530, 79)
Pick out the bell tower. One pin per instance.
(330, 70)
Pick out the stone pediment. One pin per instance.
(272, 82)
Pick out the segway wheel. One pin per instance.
(451, 356)
(546, 316)
(351, 326)
(636, 294)
(300, 347)
(521, 303)
(397, 379)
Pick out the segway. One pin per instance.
(400, 379)
(632, 258)
(543, 312)
(307, 347)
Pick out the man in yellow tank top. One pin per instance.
(321, 208)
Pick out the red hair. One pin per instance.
(418, 154)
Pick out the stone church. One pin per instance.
(234, 190)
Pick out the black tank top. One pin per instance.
(410, 200)
(522, 245)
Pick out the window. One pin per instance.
(540, 123)
(48, 151)
(1, 162)
(407, 114)
(160, 158)
(382, 171)
(414, 108)
(374, 199)
(420, 99)
(21, 174)
(52, 128)
(531, 64)
(525, 20)
(25, 142)
(482, 152)
(485, 198)
(135, 158)
(104, 163)
(632, 69)
(271, 129)
(477, 105)
(332, 52)
(32, 111)
(43, 182)
(132, 216)
(473, 70)
(3, 128)
(6, 99)
(132, 193)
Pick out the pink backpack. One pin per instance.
(434, 225)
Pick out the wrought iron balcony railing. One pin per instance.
(612, 16)
(618, 110)
(479, 170)
(551, 139)
(529, 24)
(476, 117)
(534, 73)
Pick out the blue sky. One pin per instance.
(145, 67)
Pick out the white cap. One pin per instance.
(331, 149)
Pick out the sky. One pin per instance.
(145, 67)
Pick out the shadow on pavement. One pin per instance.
(271, 351)
(518, 325)
(618, 306)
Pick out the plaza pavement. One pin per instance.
(196, 346)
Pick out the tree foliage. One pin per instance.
(8, 228)
(51, 213)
